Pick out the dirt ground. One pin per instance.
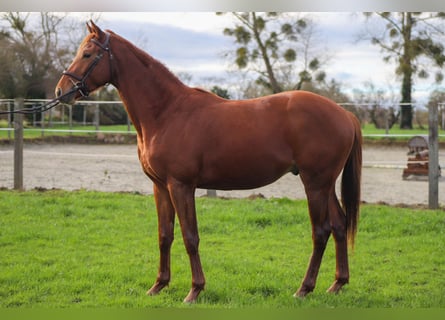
(116, 168)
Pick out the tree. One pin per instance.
(270, 45)
(379, 105)
(223, 93)
(35, 48)
(412, 40)
(31, 54)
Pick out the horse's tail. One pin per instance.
(350, 184)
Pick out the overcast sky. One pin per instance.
(193, 42)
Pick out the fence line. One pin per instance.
(96, 121)
(60, 109)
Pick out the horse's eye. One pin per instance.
(86, 55)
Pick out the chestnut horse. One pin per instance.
(188, 138)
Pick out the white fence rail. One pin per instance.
(61, 115)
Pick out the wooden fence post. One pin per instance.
(433, 158)
(97, 116)
(18, 145)
(10, 118)
(70, 116)
(42, 123)
(128, 122)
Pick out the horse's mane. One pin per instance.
(201, 90)
(146, 59)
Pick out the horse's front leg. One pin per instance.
(183, 197)
(166, 219)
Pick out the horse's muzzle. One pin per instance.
(66, 97)
(58, 92)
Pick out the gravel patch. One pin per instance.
(116, 168)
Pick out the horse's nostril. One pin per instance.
(58, 92)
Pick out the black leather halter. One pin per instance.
(80, 81)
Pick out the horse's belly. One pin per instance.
(236, 185)
(243, 175)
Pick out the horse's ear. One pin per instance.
(93, 28)
(89, 27)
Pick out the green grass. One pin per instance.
(33, 133)
(65, 130)
(90, 249)
(395, 134)
(370, 129)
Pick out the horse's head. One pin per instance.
(90, 69)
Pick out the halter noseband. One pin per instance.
(81, 85)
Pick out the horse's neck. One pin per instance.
(146, 88)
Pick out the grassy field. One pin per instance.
(369, 131)
(90, 249)
(65, 130)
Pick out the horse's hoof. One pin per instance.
(189, 300)
(193, 295)
(152, 292)
(336, 287)
(156, 288)
(301, 293)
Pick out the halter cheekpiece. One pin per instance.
(80, 83)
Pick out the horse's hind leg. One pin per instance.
(338, 226)
(166, 217)
(321, 229)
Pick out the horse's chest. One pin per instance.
(148, 165)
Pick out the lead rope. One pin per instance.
(44, 107)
